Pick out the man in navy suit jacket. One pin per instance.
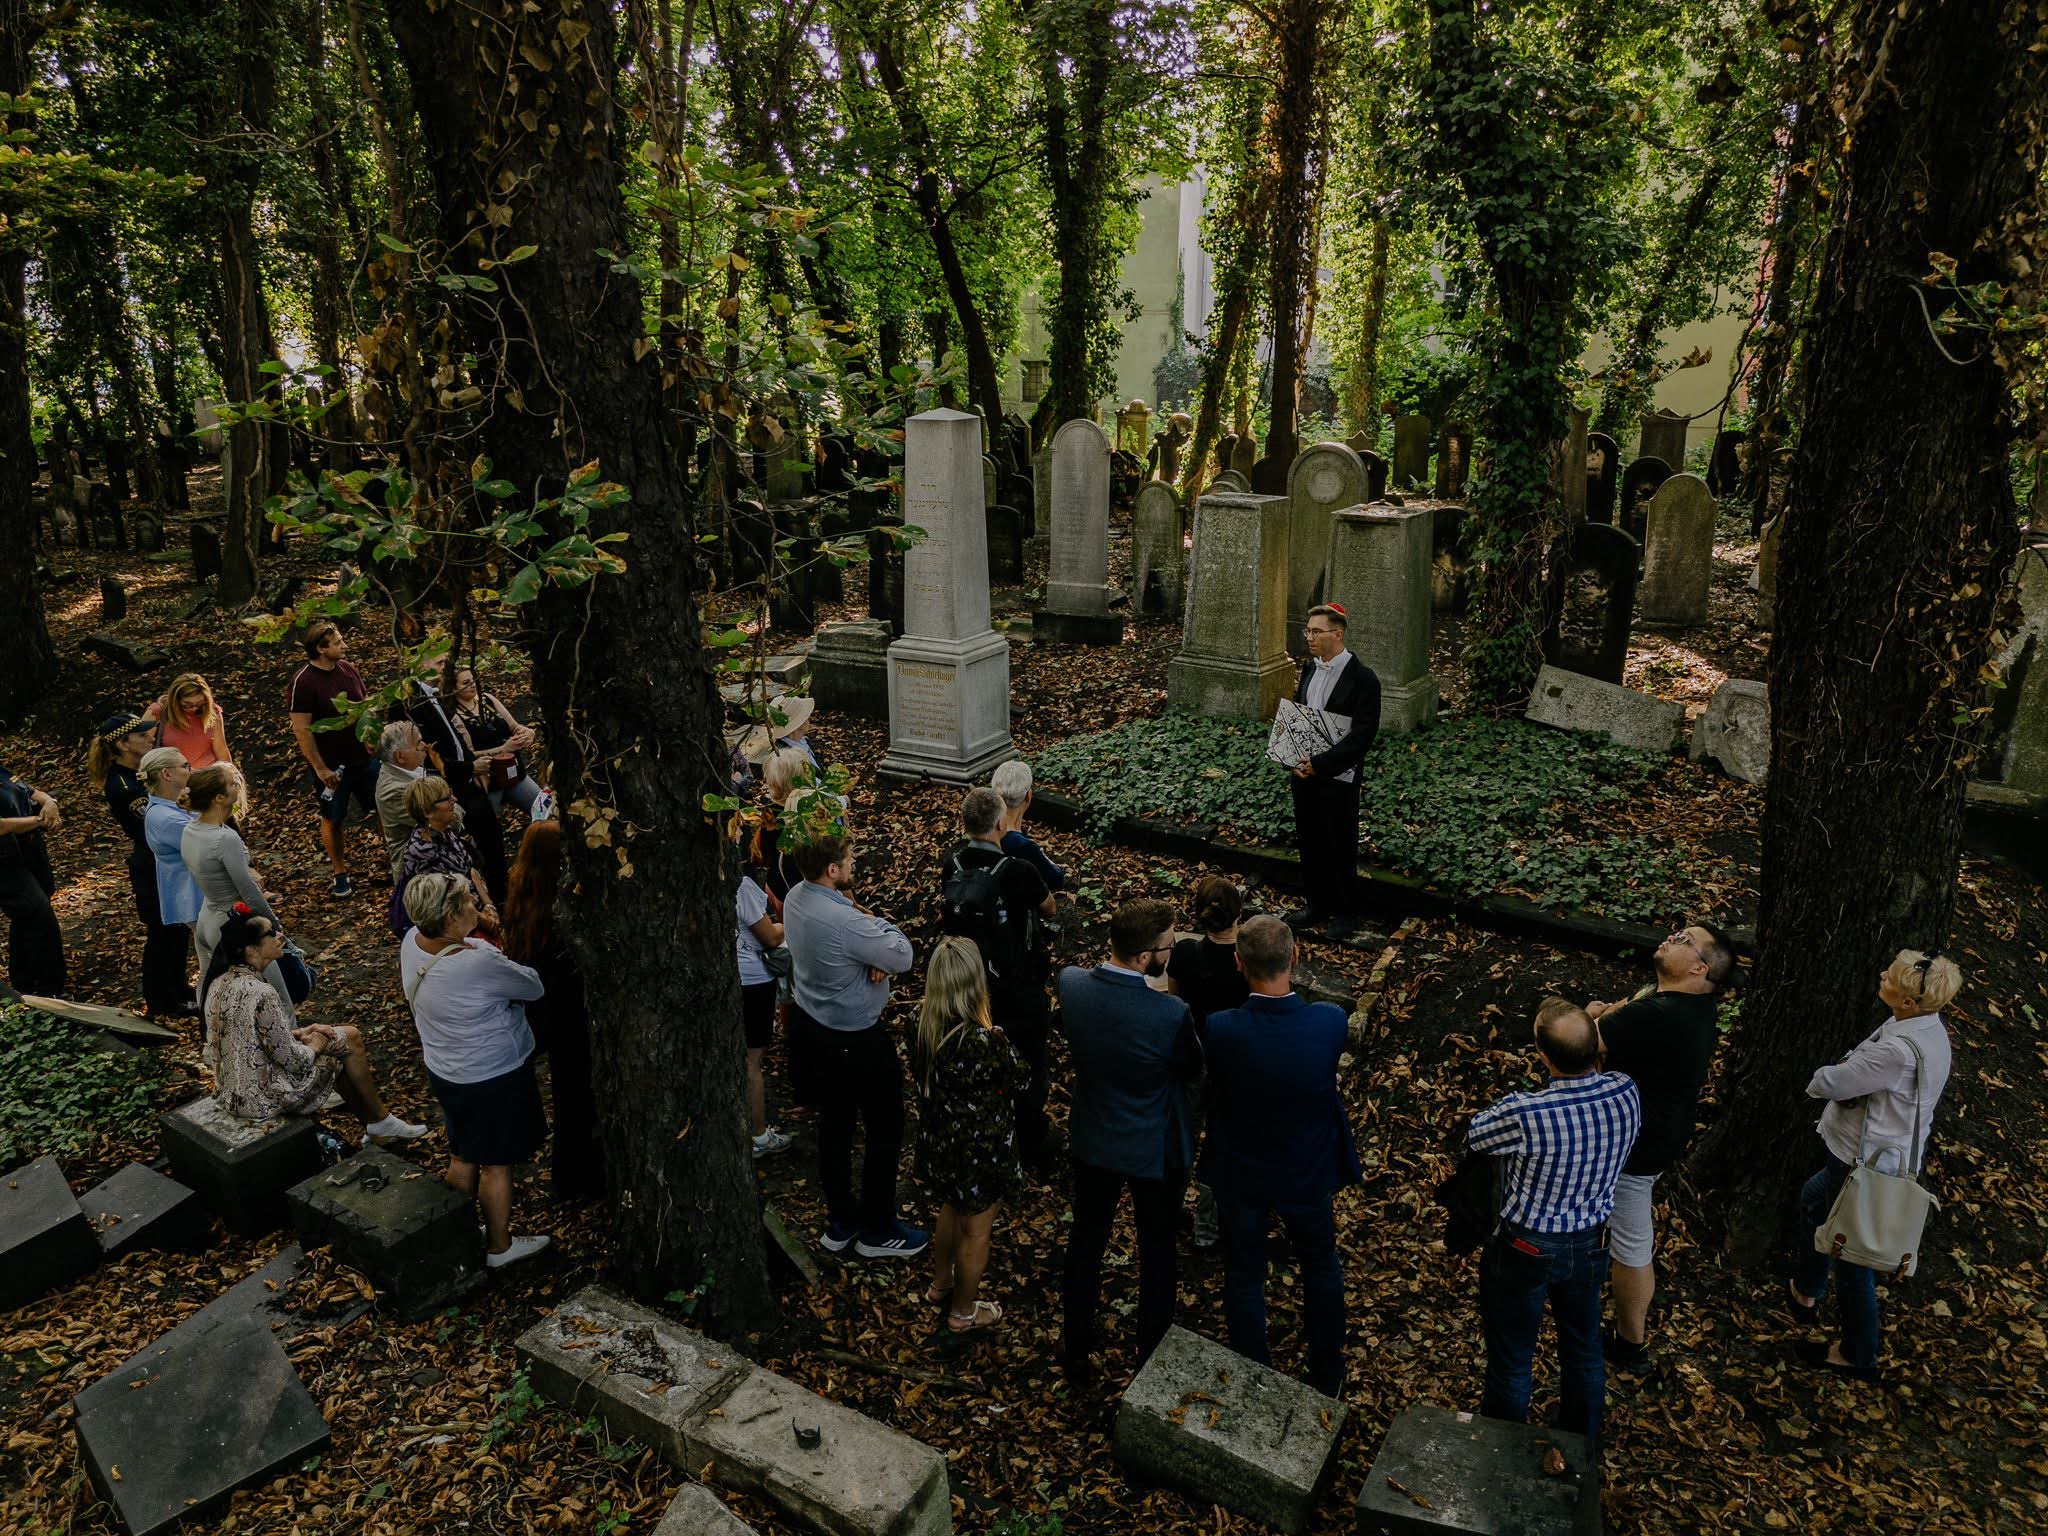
(1279, 1143)
(1130, 1122)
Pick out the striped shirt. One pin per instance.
(1568, 1144)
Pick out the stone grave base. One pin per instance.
(413, 1236)
(1204, 685)
(140, 1208)
(697, 1511)
(45, 1238)
(1440, 1473)
(1409, 706)
(1077, 628)
(1575, 702)
(850, 668)
(240, 1168)
(949, 708)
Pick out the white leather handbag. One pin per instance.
(1878, 1218)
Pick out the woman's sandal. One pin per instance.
(1804, 1313)
(937, 1297)
(986, 1315)
(1815, 1352)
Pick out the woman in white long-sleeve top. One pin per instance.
(1880, 1108)
(219, 863)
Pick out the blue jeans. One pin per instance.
(1855, 1286)
(1312, 1231)
(1519, 1272)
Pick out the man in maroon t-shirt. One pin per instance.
(339, 760)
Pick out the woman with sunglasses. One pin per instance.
(438, 846)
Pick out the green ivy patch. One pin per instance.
(60, 1097)
(1477, 807)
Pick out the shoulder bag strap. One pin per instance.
(412, 992)
(1916, 1153)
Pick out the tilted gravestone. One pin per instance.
(1380, 572)
(1735, 731)
(1678, 554)
(1639, 483)
(1008, 528)
(1233, 656)
(949, 676)
(1603, 475)
(1324, 479)
(1572, 701)
(138, 1208)
(1157, 558)
(1440, 1473)
(45, 1237)
(1589, 601)
(1077, 591)
(1411, 452)
(1664, 438)
(1572, 470)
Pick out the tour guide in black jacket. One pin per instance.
(1326, 786)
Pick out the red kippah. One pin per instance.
(1338, 609)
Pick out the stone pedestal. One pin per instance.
(1678, 554)
(1440, 1473)
(1324, 479)
(850, 668)
(1077, 583)
(407, 1231)
(1380, 560)
(1233, 655)
(1157, 563)
(138, 1208)
(45, 1238)
(240, 1168)
(949, 676)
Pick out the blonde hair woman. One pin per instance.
(968, 1074)
(1880, 1107)
(188, 718)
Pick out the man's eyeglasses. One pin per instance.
(1682, 937)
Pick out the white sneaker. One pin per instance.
(391, 1128)
(772, 1141)
(519, 1248)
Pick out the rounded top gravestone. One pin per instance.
(1324, 479)
(1678, 555)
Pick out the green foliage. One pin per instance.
(511, 1408)
(62, 1098)
(1014, 1522)
(1473, 806)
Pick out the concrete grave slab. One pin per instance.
(240, 1168)
(697, 1511)
(139, 1208)
(184, 1429)
(1574, 702)
(45, 1238)
(414, 1237)
(1440, 1473)
(1203, 1419)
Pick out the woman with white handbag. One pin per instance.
(1865, 1210)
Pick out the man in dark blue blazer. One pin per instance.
(1130, 1123)
(1279, 1143)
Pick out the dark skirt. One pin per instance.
(757, 1014)
(497, 1122)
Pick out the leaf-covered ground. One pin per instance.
(433, 1431)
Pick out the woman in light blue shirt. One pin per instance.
(164, 772)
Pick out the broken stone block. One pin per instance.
(788, 668)
(415, 1238)
(240, 1168)
(1574, 702)
(857, 1478)
(1736, 730)
(184, 1428)
(45, 1238)
(1440, 1473)
(130, 656)
(1203, 1419)
(697, 1511)
(644, 1375)
(140, 1208)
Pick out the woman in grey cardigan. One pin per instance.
(219, 862)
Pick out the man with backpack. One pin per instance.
(998, 899)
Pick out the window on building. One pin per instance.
(1035, 379)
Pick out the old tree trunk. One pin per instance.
(521, 157)
(1900, 526)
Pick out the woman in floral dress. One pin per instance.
(968, 1073)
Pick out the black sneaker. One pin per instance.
(1630, 1359)
(341, 886)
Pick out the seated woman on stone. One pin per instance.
(261, 1065)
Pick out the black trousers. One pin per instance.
(853, 1078)
(166, 948)
(35, 944)
(1155, 1203)
(486, 835)
(1326, 832)
(1026, 1018)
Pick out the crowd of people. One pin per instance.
(1199, 1081)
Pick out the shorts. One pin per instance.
(495, 1123)
(757, 1013)
(358, 780)
(1632, 1229)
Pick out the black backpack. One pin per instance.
(972, 907)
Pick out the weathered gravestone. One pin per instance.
(138, 1208)
(1244, 453)
(1450, 563)
(1678, 553)
(697, 1511)
(1380, 573)
(1203, 1419)
(1041, 492)
(850, 668)
(1453, 460)
(1362, 442)
(1603, 476)
(193, 1422)
(206, 536)
(1376, 472)
(1440, 1473)
(1077, 591)
(1572, 465)
(1724, 465)
(1589, 601)
(113, 600)
(1411, 452)
(1008, 528)
(1268, 477)
(1639, 483)
(1572, 701)
(45, 1237)
(1156, 553)
(137, 656)
(886, 591)
(1232, 483)
(949, 676)
(1226, 452)
(1233, 655)
(1018, 492)
(989, 479)
(1325, 479)
(1664, 438)
(412, 1236)
(1764, 579)
(2015, 750)
(1736, 730)
(241, 1168)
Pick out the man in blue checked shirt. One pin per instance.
(1566, 1146)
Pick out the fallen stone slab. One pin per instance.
(414, 1237)
(1736, 730)
(99, 1016)
(181, 1431)
(642, 1374)
(1439, 1473)
(829, 1468)
(139, 1208)
(45, 1238)
(697, 1511)
(1574, 702)
(130, 655)
(1203, 1419)
(240, 1168)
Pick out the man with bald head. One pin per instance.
(1566, 1145)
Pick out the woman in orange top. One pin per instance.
(188, 719)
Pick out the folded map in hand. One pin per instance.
(1299, 733)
